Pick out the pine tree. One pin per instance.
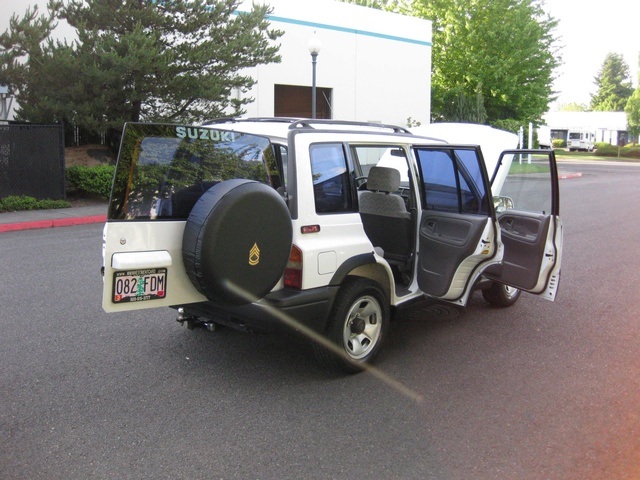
(614, 85)
(149, 60)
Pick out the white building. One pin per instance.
(609, 127)
(372, 65)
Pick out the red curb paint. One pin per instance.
(12, 227)
(68, 222)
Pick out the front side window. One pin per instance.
(163, 170)
(331, 186)
(453, 180)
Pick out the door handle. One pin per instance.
(508, 224)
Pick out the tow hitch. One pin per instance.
(194, 322)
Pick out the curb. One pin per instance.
(56, 222)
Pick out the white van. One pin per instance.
(581, 140)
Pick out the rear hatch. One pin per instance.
(162, 171)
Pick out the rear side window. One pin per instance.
(452, 180)
(163, 170)
(331, 187)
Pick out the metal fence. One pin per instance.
(32, 161)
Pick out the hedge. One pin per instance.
(91, 180)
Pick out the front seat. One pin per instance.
(385, 218)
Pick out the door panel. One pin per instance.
(524, 237)
(446, 241)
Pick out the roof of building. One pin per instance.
(586, 120)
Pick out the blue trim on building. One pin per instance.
(335, 28)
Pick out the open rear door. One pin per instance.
(458, 234)
(527, 204)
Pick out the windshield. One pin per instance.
(163, 170)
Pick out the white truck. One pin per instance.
(544, 136)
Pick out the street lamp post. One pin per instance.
(5, 102)
(314, 49)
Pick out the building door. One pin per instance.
(295, 101)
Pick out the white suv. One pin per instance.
(323, 227)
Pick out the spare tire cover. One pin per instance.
(237, 241)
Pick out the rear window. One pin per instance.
(163, 170)
(331, 188)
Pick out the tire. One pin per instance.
(358, 325)
(500, 295)
(237, 241)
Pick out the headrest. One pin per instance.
(383, 179)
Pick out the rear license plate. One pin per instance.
(139, 285)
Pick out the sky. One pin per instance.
(588, 31)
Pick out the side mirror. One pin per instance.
(502, 203)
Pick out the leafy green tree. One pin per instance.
(458, 106)
(614, 85)
(503, 48)
(136, 60)
(573, 107)
(389, 5)
(632, 109)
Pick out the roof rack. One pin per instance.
(309, 123)
(251, 119)
(213, 121)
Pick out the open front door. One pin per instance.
(527, 208)
(458, 235)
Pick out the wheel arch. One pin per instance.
(365, 266)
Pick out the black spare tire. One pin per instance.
(237, 241)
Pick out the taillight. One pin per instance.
(293, 270)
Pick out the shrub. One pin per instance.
(606, 150)
(48, 203)
(92, 180)
(630, 152)
(15, 203)
(558, 143)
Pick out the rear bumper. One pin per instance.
(283, 310)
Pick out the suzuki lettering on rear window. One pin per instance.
(163, 170)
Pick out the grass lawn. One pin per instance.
(526, 168)
(560, 154)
